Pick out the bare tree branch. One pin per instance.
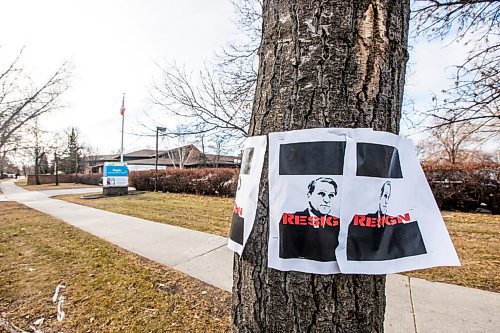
(21, 100)
(219, 100)
(476, 91)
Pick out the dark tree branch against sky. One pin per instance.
(475, 95)
(218, 100)
(231, 81)
(203, 108)
(22, 100)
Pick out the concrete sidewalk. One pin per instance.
(413, 305)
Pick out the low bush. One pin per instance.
(90, 178)
(50, 179)
(465, 187)
(462, 187)
(208, 181)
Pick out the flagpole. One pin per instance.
(121, 151)
(123, 125)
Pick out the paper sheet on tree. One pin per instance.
(305, 182)
(245, 205)
(351, 201)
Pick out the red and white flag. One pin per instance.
(122, 109)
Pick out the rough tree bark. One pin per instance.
(322, 64)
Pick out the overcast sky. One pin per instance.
(114, 45)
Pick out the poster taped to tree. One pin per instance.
(392, 222)
(305, 186)
(245, 205)
(351, 201)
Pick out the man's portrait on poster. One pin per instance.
(380, 236)
(312, 233)
(352, 201)
(383, 203)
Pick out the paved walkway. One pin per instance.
(413, 305)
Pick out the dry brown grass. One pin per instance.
(196, 212)
(477, 240)
(107, 289)
(476, 236)
(61, 186)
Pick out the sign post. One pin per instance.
(115, 178)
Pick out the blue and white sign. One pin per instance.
(115, 174)
(115, 170)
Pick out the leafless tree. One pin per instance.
(7, 165)
(222, 100)
(207, 108)
(201, 140)
(219, 145)
(237, 63)
(9, 150)
(57, 148)
(219, 99)
(90, 157)
(22, 99)
(178, 155)
(453, 142)
(476, 91)
(35, 146)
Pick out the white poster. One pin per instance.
(393, 223)
(305, 186)
(351, 201)
(245, 204)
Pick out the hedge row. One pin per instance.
(50, 179)
(465, 187)
(198, 181)
(89, 178)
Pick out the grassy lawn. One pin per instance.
(477, 240)
(476, 236)
(197, 212)
(61, 186)
(106, 289)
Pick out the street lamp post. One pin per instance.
(158, 129)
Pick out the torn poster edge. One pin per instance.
(259, 143)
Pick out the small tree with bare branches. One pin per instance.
(22, 99)
(475, 95)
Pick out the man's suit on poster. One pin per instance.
(237, 228)
(308, 242)
(384, 242)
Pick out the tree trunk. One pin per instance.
(2, 163)
(76, 168)
(322, 64)
(38, 159)
(56, 168)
